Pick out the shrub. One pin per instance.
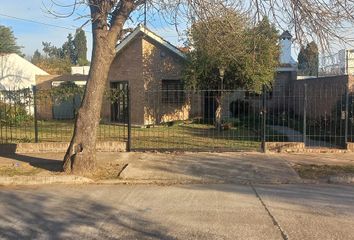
(13, 115)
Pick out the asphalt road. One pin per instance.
(177, 212)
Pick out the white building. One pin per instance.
(285, 47)
(341, 63)
(17, 73)
(80, 70)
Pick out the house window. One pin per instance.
(173, 92)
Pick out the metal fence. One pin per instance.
(30, 115)
(228, 120)
(187, 120)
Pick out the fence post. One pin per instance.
(264, 120)
(34, 88)
(129, 142)
(305, 114)
(346, 118)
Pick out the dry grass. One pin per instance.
(318, 172)
(18, 170)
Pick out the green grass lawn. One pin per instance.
(178, 136)
(194, 136)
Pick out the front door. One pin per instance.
(119, 105)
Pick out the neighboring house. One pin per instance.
(341, 63)
(17, 73)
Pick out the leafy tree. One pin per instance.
(249, 55)
(308, 59)
(80, 44)
(323, 18)
(68, 50)
(54, 61)
(52, 51)
(55, 66)
(301, 59)
(37, 57)
(8, 41)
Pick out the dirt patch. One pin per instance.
(109, 171)
(18, 170)
(322, 172)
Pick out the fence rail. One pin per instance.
(30, 115)
(188, 120)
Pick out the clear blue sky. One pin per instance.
(30, 35)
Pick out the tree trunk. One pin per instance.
(80, 157)
(218, 112)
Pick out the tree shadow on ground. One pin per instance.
(47, 163)
(50, 215)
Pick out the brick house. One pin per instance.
(153, 69)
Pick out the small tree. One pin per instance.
(68, 50)
(36, 58)
(308, 59)
(8, 41)
(248, 54)
(80, 44)
(55, 60)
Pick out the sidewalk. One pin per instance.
(168, 168)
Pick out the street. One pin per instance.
(220, 211)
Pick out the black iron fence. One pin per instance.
(317, 116)
(228, 120)
(30, 115)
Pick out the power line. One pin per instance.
(58, 26)
(37, 22)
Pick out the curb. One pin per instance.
(347, 179)
(157, 181)
(42, 180)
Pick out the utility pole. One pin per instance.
(145, 13)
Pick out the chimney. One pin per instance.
(285, 48)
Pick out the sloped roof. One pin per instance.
(17, 72)
(144, 30)
(23, 62)
(286, 35)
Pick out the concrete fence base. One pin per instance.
(350, 147)
(284, 146)
(108, 146)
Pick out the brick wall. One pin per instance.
(144, 64)
(160, 64)
(127, 66)
(351, 84)
(324, 95)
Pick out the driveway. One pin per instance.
(234, 167)
(220, 211)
